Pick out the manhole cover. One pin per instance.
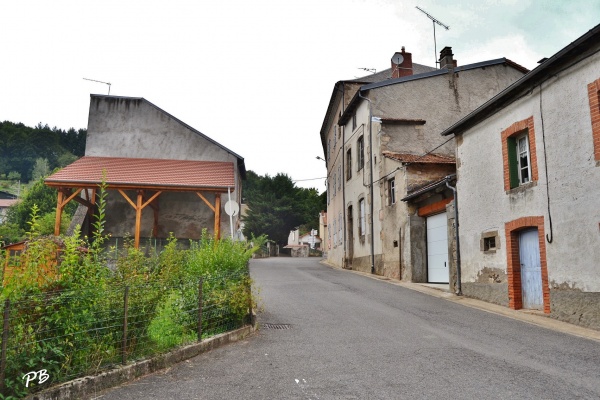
(275, 326)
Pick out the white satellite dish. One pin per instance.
(232, 208)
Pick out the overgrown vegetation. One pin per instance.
(67, 308)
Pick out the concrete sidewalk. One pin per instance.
(533, 317)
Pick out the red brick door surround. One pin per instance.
(515, 292)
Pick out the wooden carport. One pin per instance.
(147, 177)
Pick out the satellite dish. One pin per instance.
(232, 208)
(397, 58)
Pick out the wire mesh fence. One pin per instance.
(60, 335)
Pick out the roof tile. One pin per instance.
(146, 172)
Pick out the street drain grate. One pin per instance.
(275, 326)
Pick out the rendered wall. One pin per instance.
(573, 255)
(130, 127)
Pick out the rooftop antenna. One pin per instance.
(106, 83)
(371, 70)
(435, 21)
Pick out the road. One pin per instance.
(347, 336)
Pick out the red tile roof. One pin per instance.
(4, 203)
(145, 172)
(423, 159)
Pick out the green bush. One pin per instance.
(67, 307)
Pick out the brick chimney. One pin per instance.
(401, 64)
(446, 60)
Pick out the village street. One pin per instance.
(349, 336)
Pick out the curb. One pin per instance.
(528, 316)
(88, 386)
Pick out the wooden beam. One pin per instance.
(151, 199)
(127, 198)
(206, 201)
(155, 226)
(84, 202)
(138, 218)
(217, 210)
(58, 212)
(71, 197)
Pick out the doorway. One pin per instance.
(350, 237)
(531, 270)
(437, 249)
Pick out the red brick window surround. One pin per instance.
(512, 229)
(512, 132)
(594, 97)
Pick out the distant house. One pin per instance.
(163, 175)
(528, 165)
(5, 204)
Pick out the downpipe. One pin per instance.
(458, 268)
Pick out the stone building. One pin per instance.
(150, 158)
(528, 165)
(381, 140)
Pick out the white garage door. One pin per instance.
(437, 248)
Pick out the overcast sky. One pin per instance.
(254, 75)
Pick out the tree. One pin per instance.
(40, 169)
(44, 197)
(277, 206)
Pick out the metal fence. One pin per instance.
(52, 337)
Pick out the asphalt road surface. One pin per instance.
(332, 334)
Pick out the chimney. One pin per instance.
(446, 60)
(401, 64)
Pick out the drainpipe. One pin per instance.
(371, 182)
(458, 277)
(346, 261)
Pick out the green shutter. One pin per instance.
(513, 164)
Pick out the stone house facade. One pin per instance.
(393, 124)
(528, 166)
(128, 128)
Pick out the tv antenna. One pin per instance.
(106, 83)
(435, 21)
(371, 70)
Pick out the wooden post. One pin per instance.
(59, 208)
(218, 216)
(138, 219)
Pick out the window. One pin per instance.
(353, 122)
(335, 137)
(349, 164)
(362, 228)
(519, 157)
(361, 153)
(490, 242)
(334, 234)
(334, 184)
(340, 237)
(392, 191)
(328, 192)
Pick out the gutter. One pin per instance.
(458, 266)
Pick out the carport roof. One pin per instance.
(146, 173)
